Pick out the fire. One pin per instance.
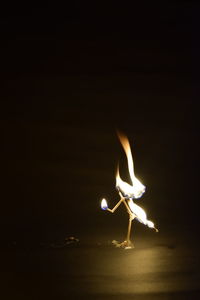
(129, 192)
(140, 214)
(137, 189)
(104, 204)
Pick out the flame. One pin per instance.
(137, 189)
(140, 214)
(126, 146)
(104, 204)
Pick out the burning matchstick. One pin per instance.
(127, 193)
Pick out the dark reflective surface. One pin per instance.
(160, 267)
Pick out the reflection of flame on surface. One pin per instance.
(137, 189)
(104, 204)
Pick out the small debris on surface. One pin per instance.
(116, 243)
(124, 245)
(68, 241)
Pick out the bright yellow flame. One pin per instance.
(124, 187)
(126, 146)
(138, 211)
(104, 204)
(137, 188)
(140, 214)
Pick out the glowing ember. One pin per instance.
(128, 192)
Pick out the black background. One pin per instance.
(70, 77)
